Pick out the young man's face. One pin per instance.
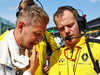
(67, 26)
(32, 35)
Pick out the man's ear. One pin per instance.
(21, 25)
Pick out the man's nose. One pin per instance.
(67, 30)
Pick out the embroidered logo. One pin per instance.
(85, 57)
(61, 60)
(19, 72)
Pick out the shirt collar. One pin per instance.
(79, 44)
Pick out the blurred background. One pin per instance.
(90, 8)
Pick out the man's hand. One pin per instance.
(46, 69)
(33, 60)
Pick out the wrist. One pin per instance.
(27, 73)
(31, 71)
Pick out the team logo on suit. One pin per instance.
(85, 57)
(61, 60)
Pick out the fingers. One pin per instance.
(37, 54)
(34, 50)
(46, 69)
(26, 53)
(34, 61)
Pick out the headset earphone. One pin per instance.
(81, 20)
(82, 26)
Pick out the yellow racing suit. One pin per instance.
(41, 48)
(1, 36)
(76, 62)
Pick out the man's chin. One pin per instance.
(30, 47)
(70, 41)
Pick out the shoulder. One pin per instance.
(94, 44)
(59, 50)
(55, 55)
(47, 33)
(48, 36)
(1, 36)
(56, 52)
(93, 40)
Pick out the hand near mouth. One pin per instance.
(33, 60)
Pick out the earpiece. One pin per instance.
(81, 20)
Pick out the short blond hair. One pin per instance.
(31, 14)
